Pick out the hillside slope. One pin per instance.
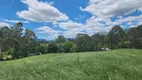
(122, 64)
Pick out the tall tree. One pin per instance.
(99, 41)
(115, 36)
(30, 38)
(83, 42)
(4, 38)
(60, 39)
(16, 37)
(139, 33)
(133, 37)
(28, 43)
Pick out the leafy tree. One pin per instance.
(52, 48)
(139, 34)
(133, 37)
(16, 33)
(43, 48)
(83, 42)
(115, 36)
(60, 47)
(74, 48)
(30, 39)
(99, 41)
(17, 30)
(18, 44)
(5, 42)
(60, 39)
(67, 46)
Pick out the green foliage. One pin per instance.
(124, 44)
(67, 46)
(52, 48)
(139, 33)
(74, 48)
(60, 39)
(60, 47)
(5, 38)
(15, 43)
(135, 38)
(83, 42)
(41, 48)
(9, 52)
(24, 42)
(99, 41)
(115, 36)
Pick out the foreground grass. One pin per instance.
(122, 64)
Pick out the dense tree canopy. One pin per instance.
(67, 46)
(19, 43)
(83, 42)
(60, 39)
(115, 36)
(14, 39)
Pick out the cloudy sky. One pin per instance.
(50, 18)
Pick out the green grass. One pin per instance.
(122, 64)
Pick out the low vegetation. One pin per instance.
(122, 64)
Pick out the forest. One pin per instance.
(15, 42)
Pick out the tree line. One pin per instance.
(19, 43)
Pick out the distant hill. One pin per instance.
(42, 40)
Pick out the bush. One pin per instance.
(67, 46)
(52, 48)
(74, 48)
(60, 47)
(124, 44)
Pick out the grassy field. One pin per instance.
(122, 64)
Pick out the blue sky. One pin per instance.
(50, 18)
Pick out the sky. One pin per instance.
(50, 18)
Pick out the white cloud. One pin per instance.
(3, 24)
(70, 25)
(72, 33)
(112, 8)
(41, 12)
(96, 24)
(130, 20)
(48, 32)
(102, 11)
(46, 29)
(71, 28)
(15, 21)
(92, 26)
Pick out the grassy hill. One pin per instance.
(122, 64)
